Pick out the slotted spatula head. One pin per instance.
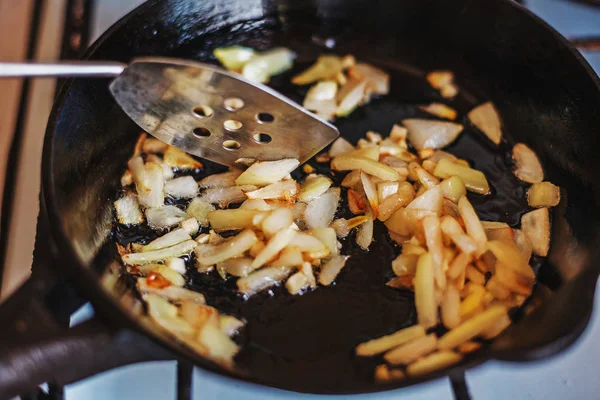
(217, 115)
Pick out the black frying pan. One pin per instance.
(548, 98)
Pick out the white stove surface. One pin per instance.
(571, 375)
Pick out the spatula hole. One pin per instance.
(232, 125)
(234, 103)
(231, 145)
(203, 111)
(265, 118)
(201, 132)
(262, 138)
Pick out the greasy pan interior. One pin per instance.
(545, 94)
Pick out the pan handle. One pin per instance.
(34, 348)
(63, 68)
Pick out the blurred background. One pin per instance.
(46, 30)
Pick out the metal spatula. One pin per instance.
(201, 109)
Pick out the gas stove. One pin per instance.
(570, 375)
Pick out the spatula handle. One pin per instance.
(62, 69)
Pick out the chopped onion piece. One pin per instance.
(256, 204)
(433, 362)
(404, 282)
(444, 82)
(385, 343)
(472, 224)
(439, 155)
(177, 265)
(230, 325)
(473, 180)
(453, 230)
(190, 225)
(371, 167)
(177, 158)
(285, 190)
(364, 234)
(320, 99)
(262, 279)
(240, 266)
(411, 351)
(471, 328)
(234, 219)
(199, 209)
(324, 109)
(232, 247)
(512, 280)
(543, 194)
(341, 227)
(277, 220)
(297, 283)
(371, 152)
(386, 189)
(326, 67)
(328, 237)
(290, 256)
(357, 202)
(226, 195)
(167, 171)
(165, 315)
(262, 173)
(390, 205)
(425, 178)
(351, 179)
(398, 135)
(536, 227)
(350, 96)
(226, 179)
(219, 346)
(331, 269)
(128, 210)
(234, 57)
(309, 245)
(433, 239)
(149, 182)
(127, 178)
(273, 247)
(453, 188)
(184, 187)
(405, 264)
(164, 217)
(320, 211)
(159, 255)
(523, 243)
(265, 65)
(440, 110)
(425, 299)
(313, 188)
(486, 119)
(170, 239)
(378, 81)
(431, 200)
(528, 166)
(157, 273)
(371, 193)
(425, 133)
(339, 147)
(497, 328)
(173, 293)
(451, 307)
